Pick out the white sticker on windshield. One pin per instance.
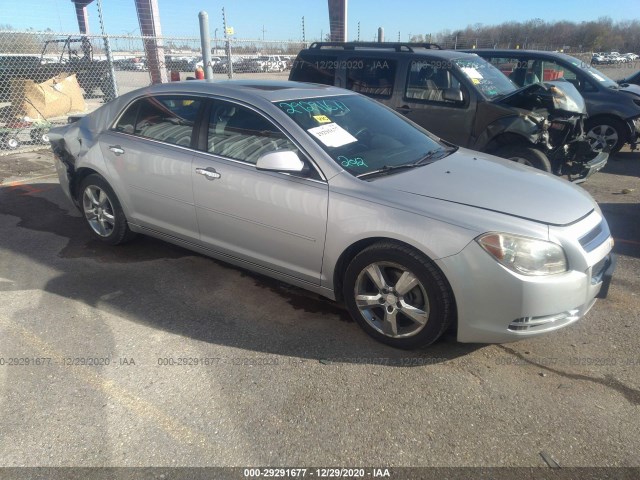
(332, 135)
(472, 72)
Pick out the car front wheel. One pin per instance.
(103, 212)
(606, 135)
(532, 157)
(398, 296)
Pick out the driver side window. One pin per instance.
(427, 81)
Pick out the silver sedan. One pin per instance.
(333, 192)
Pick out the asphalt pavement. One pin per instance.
(150, 355)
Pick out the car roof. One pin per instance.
(250, 90)
(528, 53)
(389, 52)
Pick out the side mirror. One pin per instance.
(280, 161)
(452, 95)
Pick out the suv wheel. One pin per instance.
(606, 134)
(398, 296)
(532, 157)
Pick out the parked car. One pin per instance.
(598, 58)
(271, 63)
(462, 99)
(614, 110)
(247, 65)
(332, 191)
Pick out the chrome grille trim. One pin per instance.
(594, 238)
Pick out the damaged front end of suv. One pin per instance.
(552, 116)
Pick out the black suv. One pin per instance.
(614, 109)
(463, 99)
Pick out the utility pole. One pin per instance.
(304, 40)
(358, 31)
(263, 30)
(398, 36)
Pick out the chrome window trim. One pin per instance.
(193, 150)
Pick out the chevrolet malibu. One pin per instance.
(328, 190)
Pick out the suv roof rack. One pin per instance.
(397, 46)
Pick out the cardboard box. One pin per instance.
(55, 97)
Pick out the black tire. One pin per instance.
(119, 231)
(525, 155)
(432, 296)
(599, 129)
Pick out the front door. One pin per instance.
(271, 219)
(422, 101)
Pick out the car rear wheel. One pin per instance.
(532, 157)
(398, 296)
(103, 212)
(606, 135)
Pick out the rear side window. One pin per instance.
(166, 119)
(373, 77)
(314, 69)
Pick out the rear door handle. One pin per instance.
(209, 173)
(405, 109)
(117, 149)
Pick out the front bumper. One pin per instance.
(497, 305)
(591, 167)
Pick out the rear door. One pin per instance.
(148, 154)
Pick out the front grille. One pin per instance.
(595, 237)
(544, 322)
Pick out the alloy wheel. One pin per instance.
(602, 137)
(392, 299)
(98, 210)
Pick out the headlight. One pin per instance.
(524, 255)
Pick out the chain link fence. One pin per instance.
(46, 76)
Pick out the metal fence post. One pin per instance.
(113, 86)
(205, 40)
(227, 45)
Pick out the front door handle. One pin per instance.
(117, 149)
(405, 109)
(209, 173)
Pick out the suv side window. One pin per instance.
(373, 77)
(314, 69)
(427, 80)
(520, 71)
(167, 119)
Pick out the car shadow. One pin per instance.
(169, 288)
(624, 163)
(625, 231)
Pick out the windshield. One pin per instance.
(600, 77)
(490, 81)
(360, 134)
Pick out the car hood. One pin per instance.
(490, 183)
(630, 88)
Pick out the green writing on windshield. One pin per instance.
(351, 162)
(314, 106)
